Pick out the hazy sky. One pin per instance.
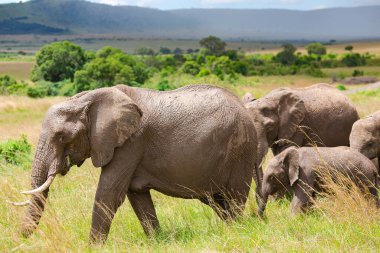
(252, 4)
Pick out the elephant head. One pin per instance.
(276, 116)
(281, 174)
(248, 97)
(365, 136)
(91, 124)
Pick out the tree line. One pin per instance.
(64, 68)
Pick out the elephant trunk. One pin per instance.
(263, 203)
(39, 177)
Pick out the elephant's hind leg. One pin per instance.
(143, 206)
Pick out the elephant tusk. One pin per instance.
(25, 203)
(41, 188)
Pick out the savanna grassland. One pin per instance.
(343, 222)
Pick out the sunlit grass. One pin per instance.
(187, 225)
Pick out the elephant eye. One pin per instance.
(60, 137)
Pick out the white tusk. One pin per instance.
(25, 203)
(41, 188)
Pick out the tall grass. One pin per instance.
(340, 222)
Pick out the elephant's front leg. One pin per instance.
(143, 206)
(302, 198)
(112, 189)
(107, 201)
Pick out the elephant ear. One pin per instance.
(291, 162)
(291, 112)
(113, 117)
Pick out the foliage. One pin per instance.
(165, 50)
(286, 56)
(341, 87)
(58, 61)
(316, 48)
(191, 67)
(16, 151)
(111, 66)
(164, 85)
(357, 72)
(213, 45)
(9, 86)
(144, 51)
(353, 60)
(349, 48)
(37, 92)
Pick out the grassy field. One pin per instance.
(341, 223)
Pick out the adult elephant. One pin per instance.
(194, 142)
(316, 115)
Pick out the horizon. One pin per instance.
(297, 5)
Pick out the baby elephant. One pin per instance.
(299, 170)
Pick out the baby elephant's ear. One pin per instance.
(291, 162)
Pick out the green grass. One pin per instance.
(187, 225)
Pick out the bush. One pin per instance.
(341, 87)
(9, 86)
(37, 92)
(357, 72)
(164, 85)
(353, 60)
(191, 67)
(16, 151)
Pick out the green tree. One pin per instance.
(349, 48)
(165, 50)
(144, 51)
(111, 66)
(316, 48)
(58, 61)
(214, 45)
(287, 56)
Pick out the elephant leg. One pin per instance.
(301, 200)
(106, 204)
(143, 206)
(112, 189)
(218, 203)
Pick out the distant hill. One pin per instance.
(81, 17)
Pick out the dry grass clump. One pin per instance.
(344, 200)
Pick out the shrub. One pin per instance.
(9, 86)
(16, 151)
(353, 60)
(204, 72)
(190, 67)
(341, 87)
(357, 72)
(164, 85)
(37, 92)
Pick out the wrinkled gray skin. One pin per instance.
(300, 169)
(365, 136)
(324, 113)
(194, 142)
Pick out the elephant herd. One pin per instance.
(200, 142)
